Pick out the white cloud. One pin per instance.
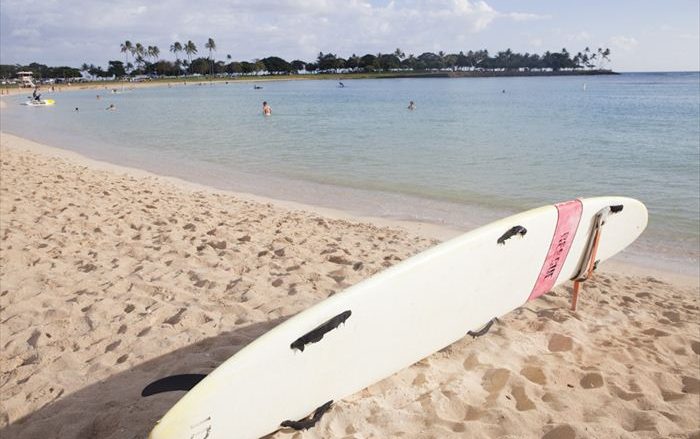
(524, 16)
(91, 30)
(582, 36)
(688, 36)
(624, 43)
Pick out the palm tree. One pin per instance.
(154, 52)
(176, 48)
(604, 56)
(126, 48)
(211, 45)
(138, 53)
(588, 57)
(399, 53)
(190, 49)
(509, 57)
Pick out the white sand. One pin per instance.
(109, 280)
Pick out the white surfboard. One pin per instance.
(397, 317)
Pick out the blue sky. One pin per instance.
(643, 35)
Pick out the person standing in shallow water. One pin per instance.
(411, 105)
(267, 111)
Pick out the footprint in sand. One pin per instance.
(340, 260)
(560, 432)
(471, 362)
(655, 333)
(219, 245)
(473, 413)
(690, 385)
(592, 380)
(669, 395)
(112, 346)
(337, 275)
(33, 339)
(560, 343)
(552, 401)
(673, 316)
(623, 394)
(534, 374)
(639, 421)
(419, 379)
(494, 381)
(174, 319)
(695, 346)
(522, 402)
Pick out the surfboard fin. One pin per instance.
(588, 262)
(173, 383)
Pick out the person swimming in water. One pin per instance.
(267, 111)
(111, 107)
(411, 106)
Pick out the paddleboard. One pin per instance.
(397, 317)
(41, 103)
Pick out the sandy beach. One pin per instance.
(111, 278)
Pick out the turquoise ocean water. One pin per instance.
(475, 149)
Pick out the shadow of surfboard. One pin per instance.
(114, 408)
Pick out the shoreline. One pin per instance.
(426, 230)
(8, 91)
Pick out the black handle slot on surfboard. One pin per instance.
(309, 421)
(515, 230)
(483, 330)
(317, 334)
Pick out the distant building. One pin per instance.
(25, 79)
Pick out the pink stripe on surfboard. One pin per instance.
(569, 215)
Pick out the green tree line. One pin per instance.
(39, 71)
(146, 60)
